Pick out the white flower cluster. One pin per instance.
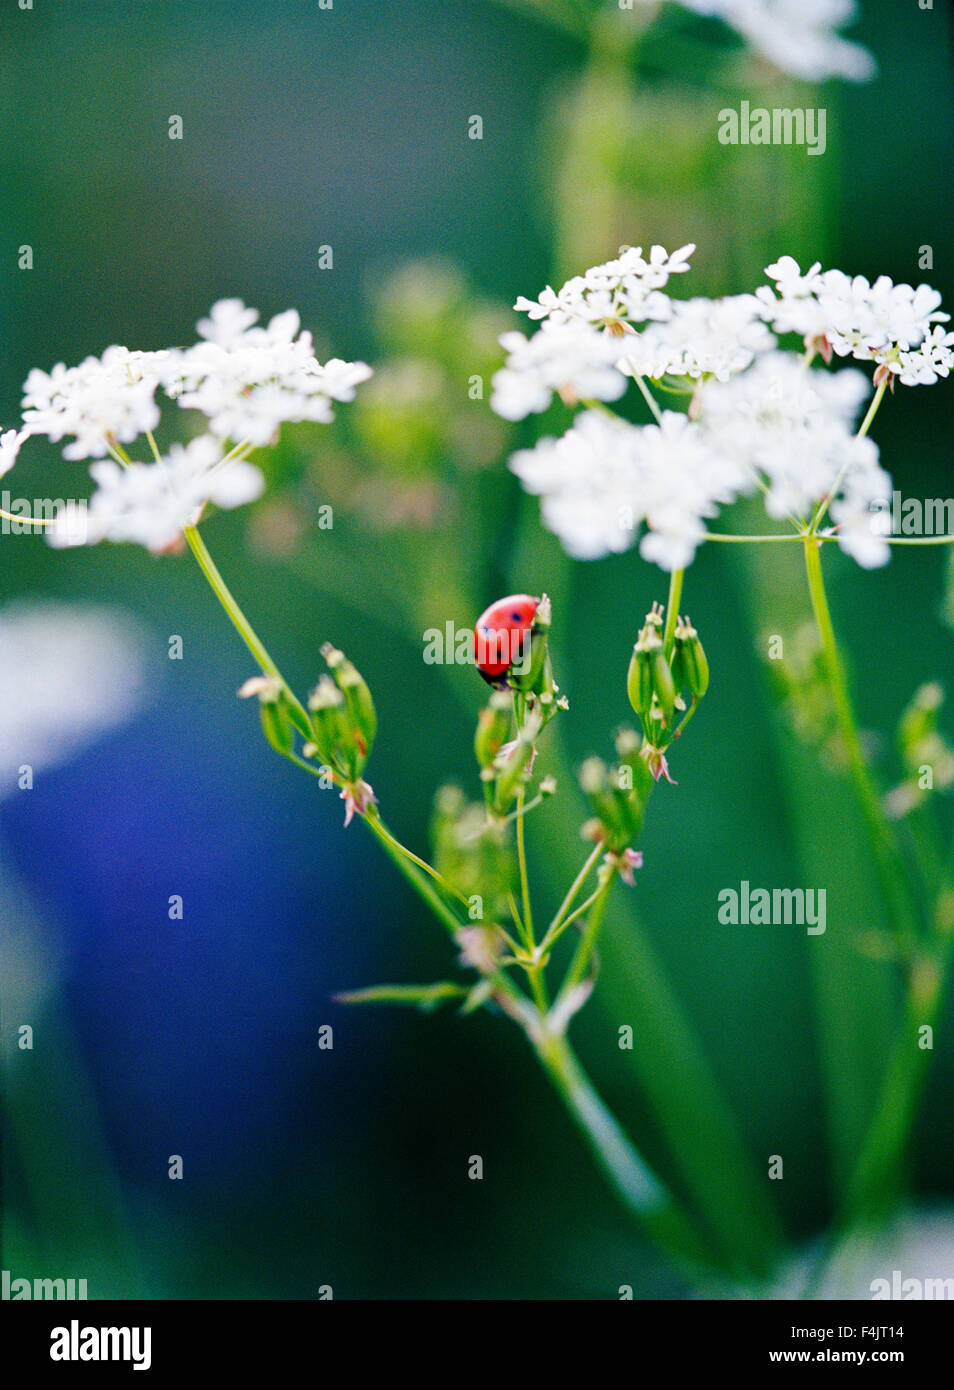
(605, 477)
(798, 36)
(760, 419)
(149, 504)
(577, 349)
(895, 325)
(245, 379)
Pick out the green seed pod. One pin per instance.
(628, 745)
(511, 774)
(694, 660)
(493, 727)
(639, 680)
(358, 702)
(664, 686)
(678, 667)
(275, 726)
(331, 728)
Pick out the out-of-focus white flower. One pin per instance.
(798, 36)
(571, 357)
(227, 323)
(10, 442)
(605, 478)
(149, 504)
(100, 401)
(625, 289)
(794, 427)
(68, 673)
(870, 322)
(716, 337)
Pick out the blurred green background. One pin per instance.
(348, 127)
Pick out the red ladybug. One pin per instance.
(502, 635)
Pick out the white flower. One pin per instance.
(794, 427)
(68, 672)
(100, 401)
(870, 322)
(925, 364)
(149, 504)
(716, 337)
(798, 36)
(10, 442)
(249, 380)
(604, 478)
(227, 323)
(625, 289)
(573, 358)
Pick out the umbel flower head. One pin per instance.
(244, 379)
(761, 418)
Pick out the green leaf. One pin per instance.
(425, 997)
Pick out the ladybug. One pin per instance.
(502, 635)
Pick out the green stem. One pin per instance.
(649, 398)
(863, 429)
(554, 929)
(640, 1190)
(891, 866)
(524, 876)
(385, 835)
(672, 611)
(243, 627)
(584, 950)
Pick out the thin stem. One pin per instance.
(524, 876)
(649, 398)
(740, 540)
(415, 859)
(641, 1192)
(584, 950)
(568, 921)
(863, 429)
(549, 935)
(27, 520)
(243, 627)
(413, 875)
(672, 611)
(154, 446)
(891, 867)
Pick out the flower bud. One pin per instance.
(664, 686)
(516, 765)
(493, 728)
(639, 680)
(327, 708)
(273, 711)
(359, 706)
(694, 661)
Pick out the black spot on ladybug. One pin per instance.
(516, 617)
